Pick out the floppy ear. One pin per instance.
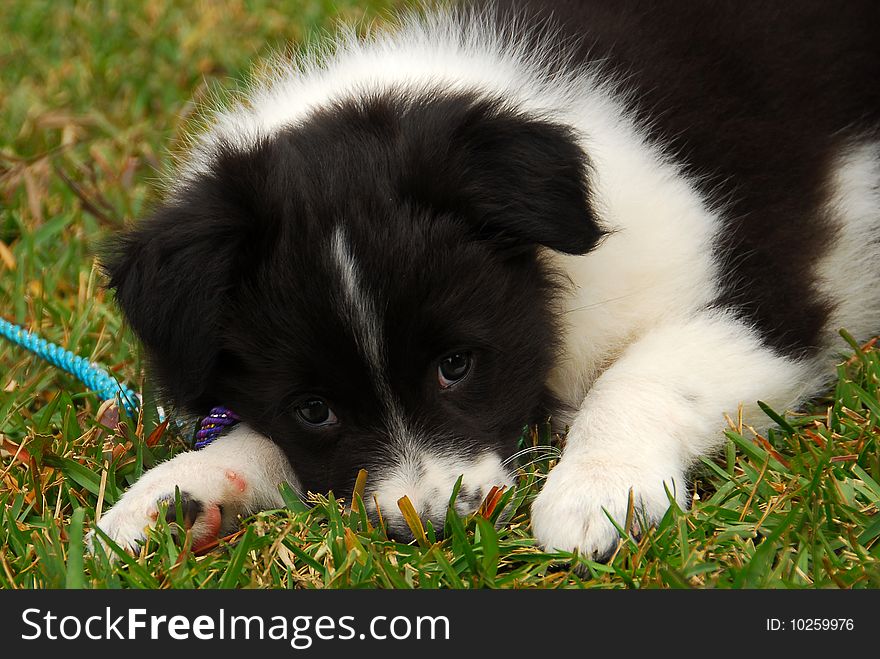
(171, 274)
(515, 178)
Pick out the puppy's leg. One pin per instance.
(238, 474)
(650, 416)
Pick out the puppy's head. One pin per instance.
(366, 288)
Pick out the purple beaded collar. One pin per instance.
(211, 427)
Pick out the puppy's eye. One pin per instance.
(316, 412)
(453, 368)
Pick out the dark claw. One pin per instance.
(190, 508)
(605, 556)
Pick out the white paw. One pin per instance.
(211, 497)
(569, 513)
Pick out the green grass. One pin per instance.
(91, 96)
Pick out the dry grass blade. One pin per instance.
(413, 521)
(89, 205)
(157, 434)
(487, 507)
(360, 486)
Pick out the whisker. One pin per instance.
(543, 451)
(596, 305)
(531, 462)
(525, 451)
(297, 491)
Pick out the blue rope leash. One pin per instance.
(93, 376)
(106, 386)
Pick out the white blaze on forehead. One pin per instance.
(359, 309)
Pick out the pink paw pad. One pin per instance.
(236, 481)
(208, 527)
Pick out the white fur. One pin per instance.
(241, 473)
(655, 266)
(428, 479)
(649, 417)
(850, 269)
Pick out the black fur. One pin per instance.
(754, 98)
(232, 287)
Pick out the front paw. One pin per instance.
(569, 514)
(209, 505)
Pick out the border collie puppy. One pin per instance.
(630, 218)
